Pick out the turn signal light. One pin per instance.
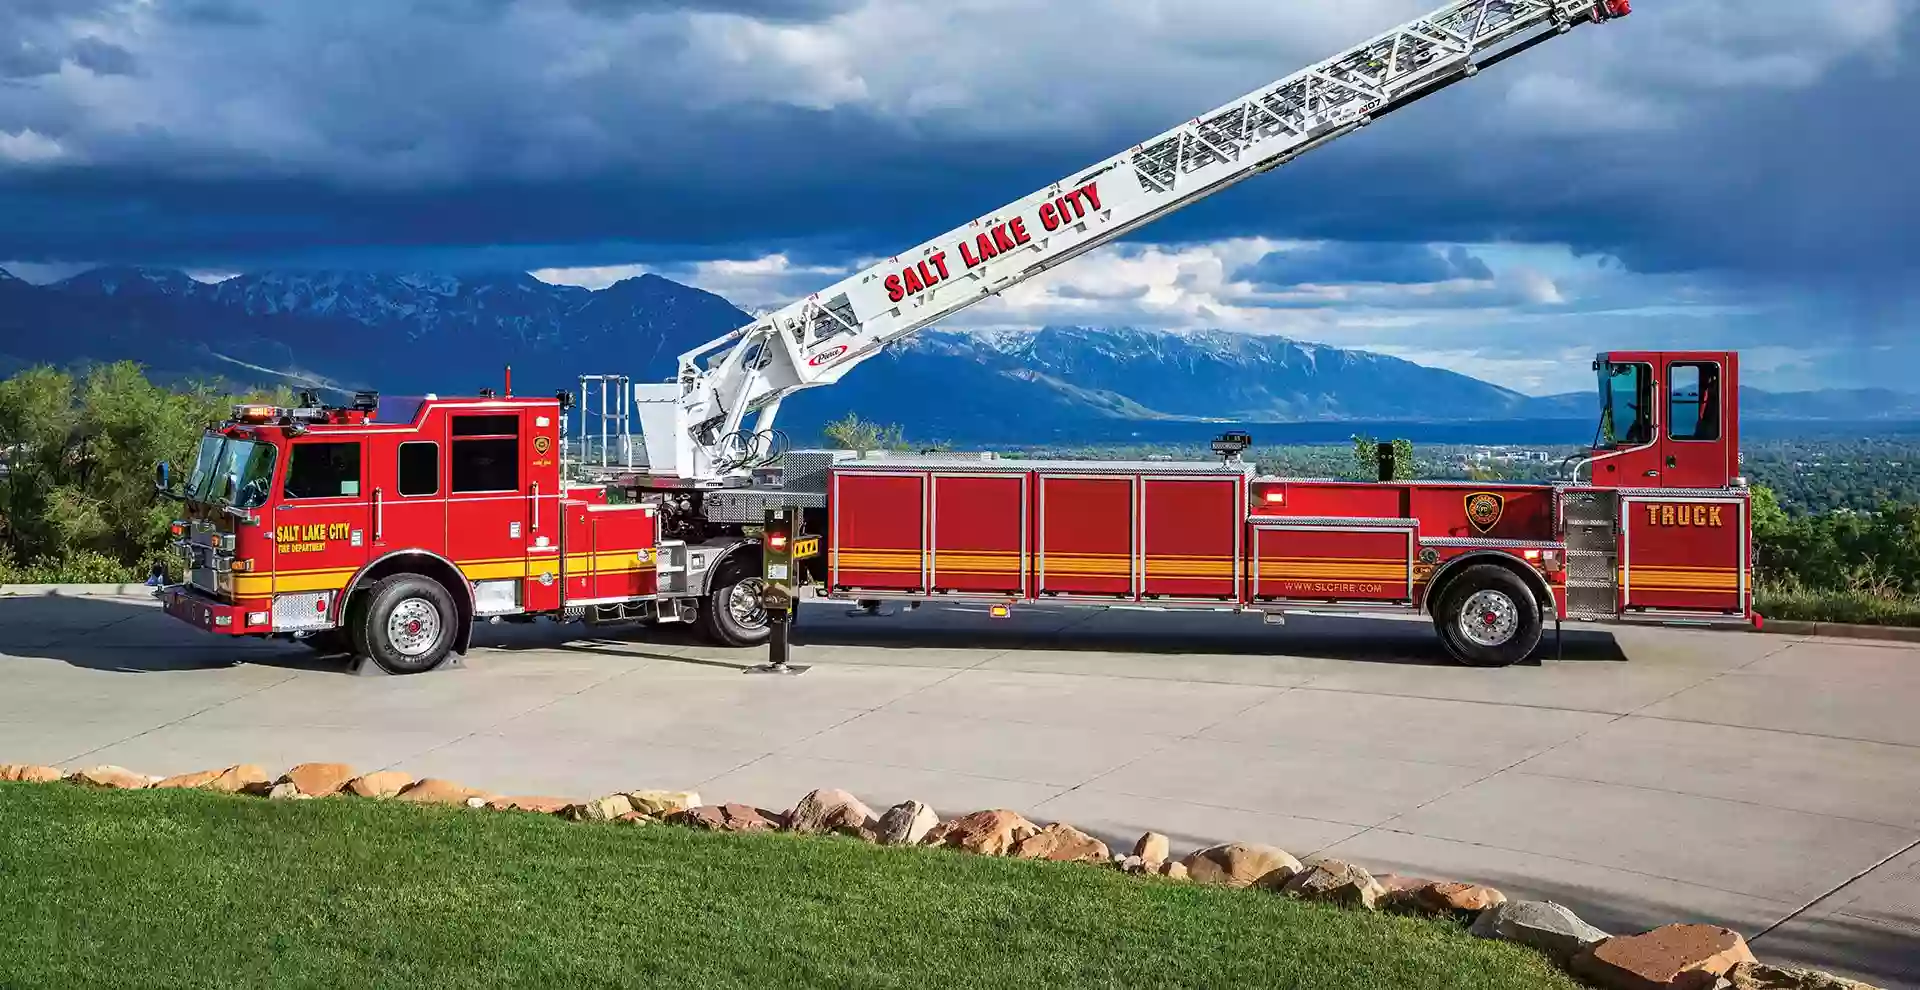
(256, 618)
(244, 565)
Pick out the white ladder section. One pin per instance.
(696, 428)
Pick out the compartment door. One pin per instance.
(623, 552)
(980, 533)
(879, 533)
(576, 541)
(1087, 537)
(1684, 554)
(1190, 538)
(1333, 563)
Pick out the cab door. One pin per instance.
(486, 507)
(1699, 431)
(320, 524)
(408, 494)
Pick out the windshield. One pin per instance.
(1625, 404)
(237, 472)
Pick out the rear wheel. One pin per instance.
(406, 625)
(1488, 617)
(731, 614)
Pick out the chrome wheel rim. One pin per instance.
(1489, 618)
(413, 627)
(743, 603)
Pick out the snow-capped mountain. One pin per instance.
(408, 334)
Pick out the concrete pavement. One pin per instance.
(1767, 783)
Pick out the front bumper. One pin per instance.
(196, 608)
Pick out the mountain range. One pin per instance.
(417, 333)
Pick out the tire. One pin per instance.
(720, 619)
(406, 624)
(1489, 617)
(329, 642)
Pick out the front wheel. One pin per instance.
(1488, 617)
(407, 624)
(732, 614)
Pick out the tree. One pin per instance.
(77, 495)
(1366, 455)
(854, 433)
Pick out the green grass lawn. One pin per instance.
(177, 889)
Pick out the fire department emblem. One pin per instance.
(1484, 510)
(541, 445)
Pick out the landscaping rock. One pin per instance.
(1061, 843)
(1131, 865)
(24, 773)
(1173, 869)
(287, 792)
(905, 824)
(536, 805)
(728, 818)
(987, 833)
(1332, 881)
(1241, 864)
(635, 818)
(1450, 898)
(380, 784)
(318, 779)
(1543, 925)
(433, 790)
(663, 803)
(111, 778)
(1756, 976)
(831, 811)
(1153, 849)
(1683, 957)
(185, 781)
(604, 809)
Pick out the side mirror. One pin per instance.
(163, 476)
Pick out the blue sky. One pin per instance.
(1705, 173)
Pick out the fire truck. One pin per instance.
(386, 528)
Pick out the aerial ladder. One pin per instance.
(712, 425)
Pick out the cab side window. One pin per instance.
(420, 468)
(1693, 406)
(324, 470)
(486, 454)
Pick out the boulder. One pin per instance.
(1173, 869)
(287, 792)
(1132, 865)
(604, 809)
(905, 824)
(728, 818)
(987, 833)
(660, 804)
(1153, 849)
(1061, 843)
(380, 784)
(635, 818)
(111, 778)
(831, 811)
(1332, 881)
(1451, 898)
(1241, 864)
(1543, 925)
(1755, 976)
(318, 779)
(25, 773)
(434, 790)
(243, 779)
(537, 805)
(1683, 957)
(186, 781)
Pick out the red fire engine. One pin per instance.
(386, 529)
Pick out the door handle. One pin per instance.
(379, 515)
(1653, 474)
(536, 505)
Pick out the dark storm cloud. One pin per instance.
(1362, 261)
(490, 127)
